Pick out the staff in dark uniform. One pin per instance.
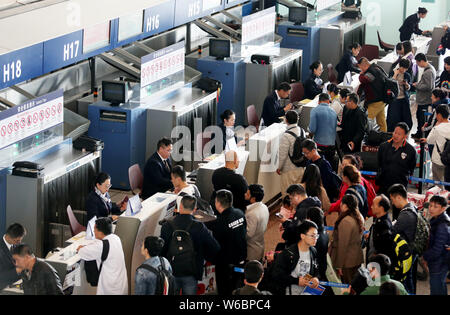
(411, 25)
(230, 230)
(396, 161)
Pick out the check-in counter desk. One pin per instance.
(205, 172)
(39, 204)
(132, 230)
(263, 160)
(307, 106)
(420, 44)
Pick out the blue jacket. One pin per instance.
(272, 110)
(439, 237)
(323, 123)
(346, 65)
(145, 280)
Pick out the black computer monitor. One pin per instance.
(114, 92)
(298, 15)
(219, 48)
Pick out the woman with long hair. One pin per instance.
(312, 182)
(345, 250)
(352, 177)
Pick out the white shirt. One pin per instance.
(113, 278)
(189, 190)
(257, 217)
(7, 244)
(278, 96)
(438, 136)
(303, 267)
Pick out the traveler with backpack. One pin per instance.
(373, 80)
(230, 231)
(436, 256)
(154, 276)
(187, 243)
(413, 228)
(353, 125)
(323, 124)
(424, 88)
(107, 251)
(438, 137)
(330, 180)
(294, 265)
(290, 151)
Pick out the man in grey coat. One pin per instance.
(290, 174)
(424, 88)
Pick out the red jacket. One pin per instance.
(336, 206)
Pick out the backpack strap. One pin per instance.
(149, 268)
(105, 253)
(356, 194)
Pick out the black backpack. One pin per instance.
(90, 266)
(297, 158)
(390, 87)
(445, 154)
(165, 281)
(181, 253)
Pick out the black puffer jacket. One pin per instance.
(289, 234)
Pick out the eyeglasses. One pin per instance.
(316, 236)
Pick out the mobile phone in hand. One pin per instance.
(279, 215)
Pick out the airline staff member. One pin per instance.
(272, 109)
(411, 25)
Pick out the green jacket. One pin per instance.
(374, 290)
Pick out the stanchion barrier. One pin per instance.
(413, 179)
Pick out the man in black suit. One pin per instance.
(272, 109)
(8, 274)
(157, 170)
(411, 25)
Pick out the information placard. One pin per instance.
(30, 118)
(258, 25)
(162, 63)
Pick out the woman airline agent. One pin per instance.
(314, 84)
(98, 202)
(348, 62)
(230, 141)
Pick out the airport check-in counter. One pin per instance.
(39, 204)
(183, 108)
(261, 80)
(307, 106)
(263, 160)
(132, 230)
